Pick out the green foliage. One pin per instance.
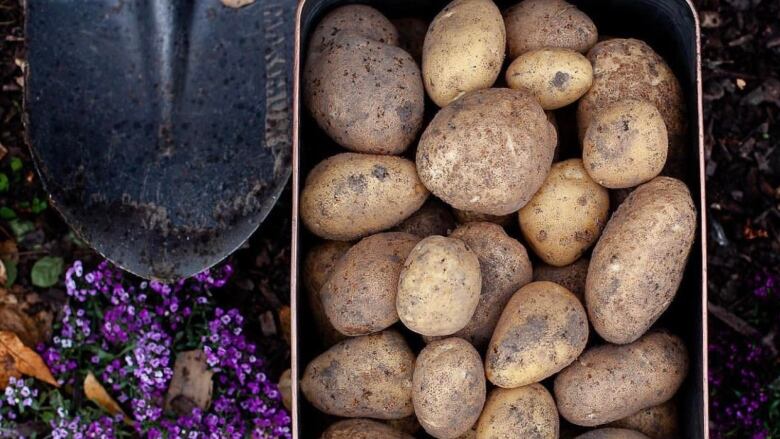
(46, 271)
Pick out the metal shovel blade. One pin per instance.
(160, 128)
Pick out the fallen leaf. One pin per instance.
(9, 251)
(97, 394)
(191, 384)
(237, 3)
(23, 313)
(285, 388)
(285, 320)
(3, 274)
(24, 360)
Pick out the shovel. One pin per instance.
(161, 128)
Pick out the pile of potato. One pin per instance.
(433, 314)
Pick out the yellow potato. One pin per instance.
(625, 145)
(463, 50)
(612, 433)
(611, 382)
(317, 268)
(524, 412)
(572, 277)
(469, 216)
(362, 429)
(657, 422)
(359, 297)
(349, 195)
(566, 216)
(638, 263)
(448, 387)
(439, 286)
(535, 24)
(475, 155)
(368, 376)
(556, 77)
(542, 330)
(433, 218)
(361, 19)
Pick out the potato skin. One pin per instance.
(612, 433)
(448, 387)
(475, 156)
(350, 195)
(463, 50)
(439, 286)
(359, 296)
(433, 218)
(367, 376)
(611, 382)
(317, 268)
(542, 330)
(360, 19)
(657, 422)
(572, 276)
(566, 215)
(534, 24)
(524, 412)
(469, 216)
(362, 429)
(556, 77)
(626, 144)
(637, 265)
(366, 95)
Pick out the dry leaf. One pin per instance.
(16, 358)
(3, 151)
(97, 394)
(3, 274)
(25, 314)
(8, 250)
(285, 388)
(285, 320)
(191, 384)
(237, 3)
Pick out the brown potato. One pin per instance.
(534, 24)
(638, 263)
(566, 215)
(411, 35)
(572, 277)
(368, 376)
(469, 216)
(612, 433)
(362, 429)
(542, 330)
(625, 144)
(556, 77)
(475, 156)
(317, 268)
(448, 387)
(524, 412)
(439, 286)
(433, 218)
(463, 50)
(349, 195)
(359, 297)
(657, 422)
(611, 382)
(360, 19)
(366, 95)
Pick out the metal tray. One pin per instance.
(671, 27)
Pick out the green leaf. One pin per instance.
(46, 271)
(38, 205)
(10, 272)
(16, 164)
(3, 182)
(20, 227)
(7, 213)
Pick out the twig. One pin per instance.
(737, 324)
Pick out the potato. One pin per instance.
(572, 276)
(411, 35)
(439, 286)
(542, 330)
(475, 155)
(359, 297)
(612, 433)
(524, 412)
(360, 19)
(504, 266)
(368, 376)
(448, 387)
(350, 195)
(556, 77)
(638, 263)
(625, 145)
(362, 429)
(657, 422)
(433, 218)
(469, 216)
(317, 268)
(366, 95)
(630, 69)
(566, 216)
(463, 50)
(611, 382)
(535, 24)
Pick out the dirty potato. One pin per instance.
(448, 387)
(350, 195)
(524, 412)
(542, 330)
(360, 19)
(368, 376)
(366, 95)
(469, 216)
(638, 263)
(317, 268)
(433, 218)
(612, 433)
(611, 382)
(439, 286)
(566, 216)
(475, 155)
(556, 77)
(362, 429)
(657, 422)
(359, 297)
(572, 276)
(535, 24)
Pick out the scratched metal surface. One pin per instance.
(161, 129)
